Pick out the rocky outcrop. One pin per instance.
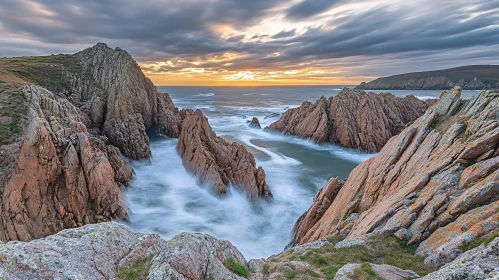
(353, 119)
(61, 176)
(107, 250)
(474, 77)
(128, 103)
(478, 263)
(255, 123)
(382, 270)
(217, 162)
(436, 183)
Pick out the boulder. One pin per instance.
(387, 272)
(255, 123)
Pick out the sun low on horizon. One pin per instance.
(261, 42)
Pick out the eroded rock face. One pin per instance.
(60, 179)
(124, 103)
(353, 118)
(100, 251)
(217, 162)
(436, 183)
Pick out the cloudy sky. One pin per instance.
(261, 42)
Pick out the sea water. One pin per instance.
(166, 199)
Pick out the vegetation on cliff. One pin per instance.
(474, 77)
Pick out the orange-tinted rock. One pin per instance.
(436, 182)
(125, 103)
(61, 180)
(217, 162)
(353, 118)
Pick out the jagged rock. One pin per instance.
(60, 179)
(353, 119)
(388, 272)
(100, 251)
(478, 263)
(217, 162)
(130, 104)
(255, 123)
(437, 181)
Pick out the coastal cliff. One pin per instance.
(65, 125)
(475, 77)
(352, 119)
(435, 184)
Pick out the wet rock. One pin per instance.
(435, 183)
(255, 123)
(272, 115)
(353, 119)
(100, 251)
(217, 162)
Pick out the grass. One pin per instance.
(137, 271)
(381, 250)
(13, 111)
(479, 241)
(366, 272)
(47, 71)
(236, 267)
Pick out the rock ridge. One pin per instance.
(352, 119)
(435, 184)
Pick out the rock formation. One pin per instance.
(255, 123)
(128, 104)
(217, 162)
(353, 119)
(435, 184)
(58, 175)
(107, 250)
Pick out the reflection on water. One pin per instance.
(166, 199)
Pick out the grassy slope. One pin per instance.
(487, 73)
(328, 260)
(47, 71)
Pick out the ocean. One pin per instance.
(166, 199)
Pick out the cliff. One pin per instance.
(66, 121)
(435, 184)
(352, 119)
(475, 77)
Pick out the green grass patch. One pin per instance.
(366, 272)
(291, 274)
(236, 267)
(381, 250)
(137, 271)
(479, 241)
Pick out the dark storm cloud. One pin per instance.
(284, 34)
(308, 8)
(386, 35)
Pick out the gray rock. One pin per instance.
(351, 242)
(255, 123)
(386, 271)
(99, 251)
(473, 264)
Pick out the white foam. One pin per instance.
(205, 94)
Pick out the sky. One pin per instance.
(261, 42)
